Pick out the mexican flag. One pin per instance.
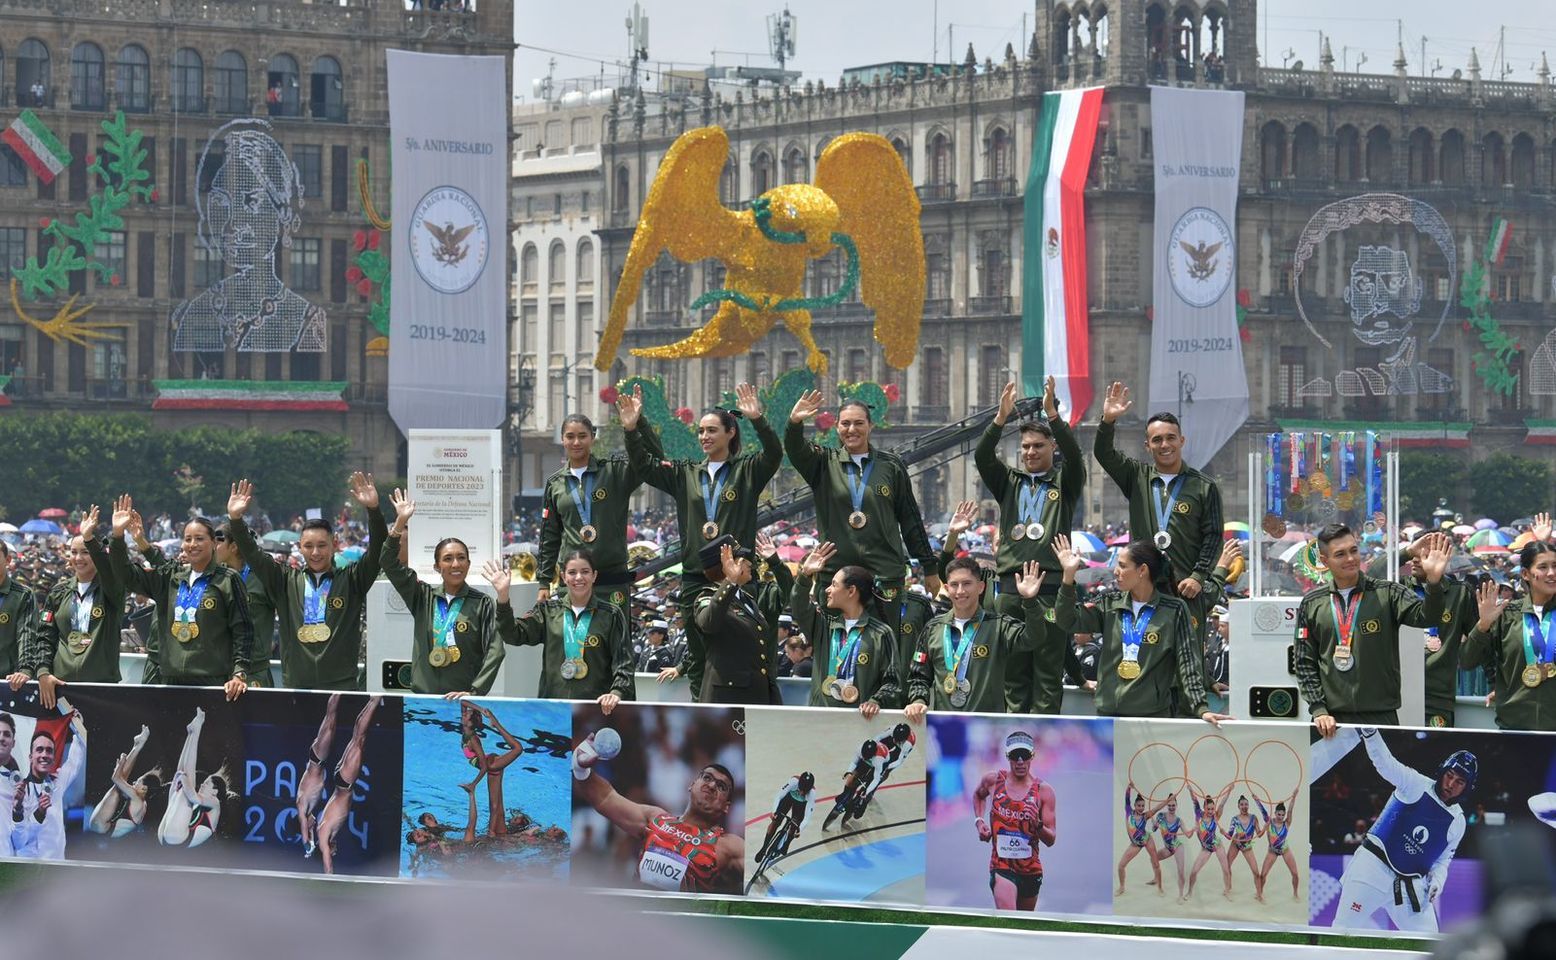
(293, 395)
(36, 144)
(1501, 233)
(1055, 334)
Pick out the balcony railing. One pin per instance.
(937, 193)
(938, 307)
(988, 306)
(996, 187)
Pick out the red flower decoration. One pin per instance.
(114, 280)
(155, 196)
(1247, 336)
(358, 240)
(1150, 314)
(353, 274)
(372, 240)
(609, 395)
(685, 415)
(1244, 298)
(826, 420)
(893, 393)
(1466, 326)
(365, 287)
(44, 222)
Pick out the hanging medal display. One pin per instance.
(1133, 634)
(1539, 648)
(845, 657)
(858, 479)
(575, 627)
(582, 492)
(1030, 498)
(711, 489)
(186, 605)
(314, 629)
(956, 684)
(444, 617)
(1163, 506)
(1345, 620)
(81, 623)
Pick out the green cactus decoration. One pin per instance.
(369, 275)
(1492, 363)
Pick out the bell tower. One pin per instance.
(1192, 43)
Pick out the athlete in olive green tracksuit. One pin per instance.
(871, 666)
(17, 619)
(77, 635)
(970, 645)
(1043, 492)
(1444, 641)
(603, 647)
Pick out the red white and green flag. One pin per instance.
(36, 144)
(296, 395)
(1055, 333)
(1496, 247)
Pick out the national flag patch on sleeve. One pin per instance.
(47, 616)
(545, 513)
(920, 657)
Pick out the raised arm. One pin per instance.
(401, 577)
(496, 573)
(1073, 480)
(365, 570)
(771, 457)
(805, 457)
(1383, 761)
(150, 583)
(1118, 466)
(991, 470)
(628, 816)
(1428, 611)
(647, 462)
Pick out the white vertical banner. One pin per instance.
(1196, 354)
(448, 339)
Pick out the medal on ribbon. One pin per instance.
(444, 616)
(1133, 634)
(1344, 619)
(574, 630)
(1163, 506)
(845, 656)
(186, 605)
(1030, 497)
(1539, 647)
(956, 685)
(858, 479)
(711, 489)
(582, 493)
(313, 628)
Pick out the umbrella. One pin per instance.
(1462, 530)
(1518, 542)
(8, 528)
(1084, 542)
(1230, 534)
(1485, 523)
(42, 526)
(1412, 530)
(1512, 531)
(279, 540)
(1093, 575)
(807, 542)
(53, 513)
(1495, 538)
(1488, 548)
(1231, 525)
(1290, 553)
(789, 553)
(1122, 540)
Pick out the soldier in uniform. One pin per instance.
(1347, 632)
(1036, 501)
(585, 652)
(713, 496)
(320, 606)
(16, 616)
(864, 503)
(1444, 639)
(87, 611)
(740, 637)
(1148, 644)
(964, 654)
(856, 656)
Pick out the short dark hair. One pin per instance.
(964, 563)
(1164, 417)
(1039, 427)
(1331, 533)
(317, 524)
(9, 721)
(720, 768)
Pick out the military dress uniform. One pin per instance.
(1347, 650)
(740, 667)
(584, 655)
(772, 601)
(203, 636)
(866, 509)
(965, 669)
(320, 614)
(466, 623)
(1145, 657)
(1519, 648)
(17, 622)
(848, 669)
(1033, 507)
(706, 508)
(262, 611)
(77, 635)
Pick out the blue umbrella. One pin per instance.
(42, 526)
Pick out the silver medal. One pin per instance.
(569, 670)
(962, 695)
(1163, 540)
(1018, 532)
(1035, 531)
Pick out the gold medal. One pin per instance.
(1296, 501)
(1129, 669)
(313, 633)
(710, 530)
(832, 688)
(582, 669)
(1018, 532)
(857, 520)
(79, 641)
(1533, 675)
(185, 632)
(850, 693)
(949, 686)
(1550, 671)
(438, 656)
(453, 654)
(588, 534)
(1345, 499)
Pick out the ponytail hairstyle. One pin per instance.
(730, 420)
(1144, 553)
(863, 580)
(437, 551)
(579, 418)
(582, 553)
(210, 528)
(869, 411)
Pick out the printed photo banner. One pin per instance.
(1250, 826)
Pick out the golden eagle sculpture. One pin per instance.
(862, 201)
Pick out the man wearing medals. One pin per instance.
(741, 639)
(203, 635)
(1444, 639)
(1175, 506)
(856, 657)
(86, 611)
(864, 502)
(713, 497)
(963, 655)
(585, 505)
(16, 616)
(1036, 502)
(455, 647)
(1347, 632)
(262, 610)
(319, 607)
(1517, 640)
(1149, 648)
(585, 653)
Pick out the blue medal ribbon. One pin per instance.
(1134, 631)
(189, 596)
(585, 503)
(1164, 513)
(1539, 630)
(1030, 498)
(711, 490)
(82, 615)
(956, 661)
(1431, 631)
(844, 655)
(851, 472)
(313, 597)
(444, 616)
(574, 630)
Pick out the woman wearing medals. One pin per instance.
(455, 649)
(1517, 640)
(856, 659)
(715, 496)
(963, 654)
(1147, 639)
(586, 505)
(86, 611)
(204, 636)
(585, 653)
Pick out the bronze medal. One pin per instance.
(850, 693)
(1550, 671)
(438, 656)
(1433, 644)
(710, 530)
(79, 640)
(857, 520)
(1018, 533)
(1273, 526)
(588, 534)
(1533, 675)
(1129, 669)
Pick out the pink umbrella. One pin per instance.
(1488, 548)
(1121, 540)
(791, 553)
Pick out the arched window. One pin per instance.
(584, 272)
(1100, 33)
(996, 158)
(1158, 44)
(529, 268)
(556, 265)
(87, 90)
(188, 91)
(1450, 158)
(1063, 28)
(761, 173)
(796, 169)
(32, 74)
(941, 160)
(232, 83)
(1347, 155)
(729, 181)
(900, 144)
(1185, 42)
(1380, 156)
(621, 196)
(1521, 169)
(1493, 158)
(1305, 161)
(1423, 159)
(326, 90)
(282, 94)
(133, 82)
(1272, 151)
(1212, 44)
